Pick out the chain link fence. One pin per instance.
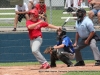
(55, 9)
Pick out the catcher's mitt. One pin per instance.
(48, 50)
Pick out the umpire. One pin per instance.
(85, 31)
(63, 50)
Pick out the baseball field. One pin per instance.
(32, 68)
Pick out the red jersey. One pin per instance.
(36, 31)
(89, 1)
(40, 8)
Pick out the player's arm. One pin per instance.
(59, 46)
(76, 39)
(90, 36)
(34, 25)
(53, 26)
(20, 12)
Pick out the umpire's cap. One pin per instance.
(81, 10)
(35, 12)
(80, 13)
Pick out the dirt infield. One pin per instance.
(34, 70)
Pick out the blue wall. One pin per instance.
(15, 47)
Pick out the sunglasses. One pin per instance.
(41, 2)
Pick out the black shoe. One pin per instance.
(69, 9)
(52, 66)
(80, 63)
(70, 65)
(14, 29)
(97, 63)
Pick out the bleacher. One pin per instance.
(7, 16)
(70, 18)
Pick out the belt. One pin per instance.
(37, 37)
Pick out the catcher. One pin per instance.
(63, 51)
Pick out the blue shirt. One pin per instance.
(68, 45)
(85, 27)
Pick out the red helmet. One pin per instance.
(35, 12)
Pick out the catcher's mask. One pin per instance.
(80, 13)
(35, 12)
(61, 33)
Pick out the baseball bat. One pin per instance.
(65, 22)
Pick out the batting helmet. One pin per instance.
(80, 13)
(35, 12)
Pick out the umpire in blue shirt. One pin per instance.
(85, 30)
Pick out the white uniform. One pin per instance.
(24, 7)
(70, 2)
(34, 1)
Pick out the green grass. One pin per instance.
(18, 63)
(83, 73)
(35, 63)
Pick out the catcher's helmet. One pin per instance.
(35, 12)
(80, 13)
(62, 32)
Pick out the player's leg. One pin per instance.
(96, 51)
(78, 55)
(69, 55)
(75, 4)
(26, 16)
(69, 2)
(92, 13)
(53, 58)
(98, 15)
(64, 58)
(15, 22)
(35, 46)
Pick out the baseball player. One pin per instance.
(63, 50)
(34, 26)
(85, 31)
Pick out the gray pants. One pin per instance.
(93, 47)
(69, 55)
(35, 46)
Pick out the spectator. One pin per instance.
(95, 11)
(21, 12)
(85, 31)
(32, 4)
(41, 7)
(72, 3)
(34, 26)
(90, 5)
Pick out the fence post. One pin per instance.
(50, 11)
